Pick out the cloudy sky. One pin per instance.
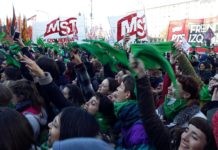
(50, 9)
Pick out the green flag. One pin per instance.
(152, 58)
(10, 59)
(14, 49)
(2, 36)
(40, 42)
(100, 54)
(72, 45)
(164, 47)
(96, 52)
(119, 55)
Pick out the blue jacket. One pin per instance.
(81, 144)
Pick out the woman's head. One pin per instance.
(25, 90)
(108, 86)
(61, 66)
(106, 108)
(187, 88)
(97, 66)
(205, 69)
(49, 65)
(189, 85)
(12, 73)
(99, 103)
(198, 136)
(155, 77)
(16, 132)
(74, 94)
(5, 95)
(72, 122)
(92, 106)
(119, 76)
(213, 83)
(126, 89)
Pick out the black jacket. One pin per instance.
(158, 134)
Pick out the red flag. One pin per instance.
(24, 33)
(13, 23)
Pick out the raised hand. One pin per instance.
(215, 94)
(137, 65)
(20, 42)
(75, 58)
(33, 67)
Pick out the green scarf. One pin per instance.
(104, 127)
(103, 56)
(106, 54)
(119, 105)
(44, 146)
(164, 47)
(152, 58)
(72, 45)
(173, 106)
(2, 36)
(40, 42)
(204, 93)
(96, 52)
(10, 59)
(118, 55)
(14, 49)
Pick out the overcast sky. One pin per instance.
(50, 9)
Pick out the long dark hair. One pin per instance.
(106, 108)
(113, 84)
(16, 132)
(129, 83)
(76, 122)
(75, 95)
(49, 65)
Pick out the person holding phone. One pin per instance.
(16, 36)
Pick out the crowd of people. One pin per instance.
(48, 103)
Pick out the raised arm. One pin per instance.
(157, 133)
(185, 65)
(46, 83)
(83, 77)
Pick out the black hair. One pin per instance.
(106, 108)
(75, 95)
(49, 65)
(76, 122)
(16, 132)
(12, 73)
(113, 84)
(5, 95)
(204, 126)
(70, 71)
(61, 66)
(129, 83)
